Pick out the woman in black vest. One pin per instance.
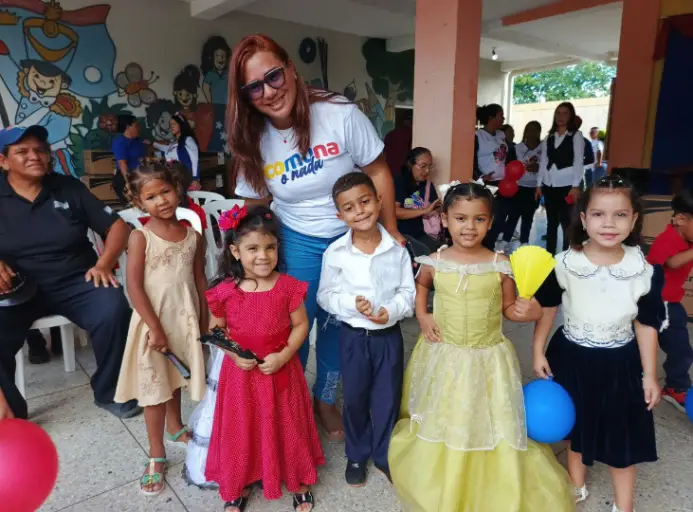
(560, 172)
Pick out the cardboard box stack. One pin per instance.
(99, 167)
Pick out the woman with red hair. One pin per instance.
(290, 144)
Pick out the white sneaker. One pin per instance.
(581, 494)
(616, 509)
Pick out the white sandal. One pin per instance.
(581, 494)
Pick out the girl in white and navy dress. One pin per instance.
(525, 202)
(561, 171)
(605, 354)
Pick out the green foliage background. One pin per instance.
(584, 80)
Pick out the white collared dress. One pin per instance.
(595, 355)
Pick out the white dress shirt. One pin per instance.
(569, 176)
(384, 278)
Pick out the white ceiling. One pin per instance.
(588, 34)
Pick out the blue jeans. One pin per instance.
(303, 257)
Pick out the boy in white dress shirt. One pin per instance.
(367, 283)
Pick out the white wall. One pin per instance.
(490, 82)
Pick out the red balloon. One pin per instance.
(508, 188)
(28, 465)
(514, 170)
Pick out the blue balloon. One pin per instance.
(549, 410)
(689, 404)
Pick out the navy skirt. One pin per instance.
(613, 425)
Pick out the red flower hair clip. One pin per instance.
(230, 219)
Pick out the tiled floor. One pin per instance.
(101, 457)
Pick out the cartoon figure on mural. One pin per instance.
(158, 121)
(185, 86)
(131, 83)
(215, 83)
(48, 58)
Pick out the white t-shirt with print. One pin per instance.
(492, 153)
(342, 139)
(527, 156)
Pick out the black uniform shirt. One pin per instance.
(47, 240)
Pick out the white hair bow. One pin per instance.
(443, 189)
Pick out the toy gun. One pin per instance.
(217, 337)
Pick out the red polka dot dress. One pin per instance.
(263, 424)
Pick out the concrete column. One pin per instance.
(631, 99)
(446, 76)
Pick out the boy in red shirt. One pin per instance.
(673, 250)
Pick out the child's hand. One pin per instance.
(273, 363)
(157, 341)
(653, 393)
(241, 362)
(527, 310)
(541, 367)
(429, 328)
(364, 306)
(380, 318)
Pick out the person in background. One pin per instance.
(525, 201)
(290, 144)
(411, 186)
(184, 150)
(398, 142)
(599, 169)
(561, 170)
(491, 154)
(366, 282)
(588, 162)
(128, 151)
(673, 250)
(509, 132)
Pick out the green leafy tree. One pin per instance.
(584, 80)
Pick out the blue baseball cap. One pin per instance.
(14, 134)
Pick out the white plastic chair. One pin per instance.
(133, 215)
(212, 212)
(203, 197)
(67, 335)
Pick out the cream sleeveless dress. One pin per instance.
(147, 375)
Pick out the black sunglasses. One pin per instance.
(255, 90)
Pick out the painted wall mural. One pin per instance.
(51, 61)
(392, 78)
(58, 70)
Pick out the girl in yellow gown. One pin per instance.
(461, 443)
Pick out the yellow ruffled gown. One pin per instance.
(461, 443)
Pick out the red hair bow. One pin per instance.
(230, 219)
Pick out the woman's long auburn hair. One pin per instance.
(245, 124)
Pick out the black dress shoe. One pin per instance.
(123, 411)
(355, 474)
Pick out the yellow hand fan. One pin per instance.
(531, 266)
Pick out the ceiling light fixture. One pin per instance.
(494, 55)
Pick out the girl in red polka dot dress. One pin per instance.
(263, 431)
